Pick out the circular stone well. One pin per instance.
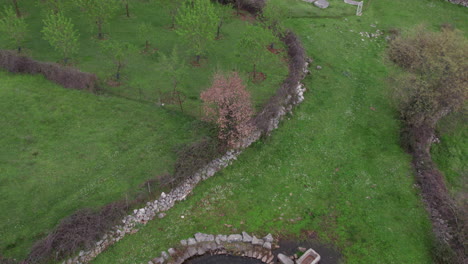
(223, 259)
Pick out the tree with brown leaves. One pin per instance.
(227, 103)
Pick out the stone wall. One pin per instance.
(459, 2)
(130, 223)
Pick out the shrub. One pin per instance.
(64, 76)
(192, 158)
(76, 232)
(436, 82)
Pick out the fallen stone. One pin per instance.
(284, 259)
(183, 242)
(302, 249)
(164, 255)
(161, 215)
(321, 3)
(319, 67)
(267, 245)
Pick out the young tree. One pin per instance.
(14, 27)
(98, 11)
(17, 10)
(127, 10)
(436, 82)
(227, 103)
(146, 31)
(224, 13)
(173, 6)
(118, 52)
(58, 31)
(174, 67)
(253, 45)
(197, 21)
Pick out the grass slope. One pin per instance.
(63, 150)
(335, 168)
(142, 76)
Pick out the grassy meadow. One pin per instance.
(63, 150)
(334, 171)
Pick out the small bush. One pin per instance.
(64, 76)
(193, 158)
(79, 231)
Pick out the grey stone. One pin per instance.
(192, 251)
(164, 255)
(172, 251)
(267, 245)
(158, 260)
(309, 1)
(321, 3)
(268, 238)
(256, 241)
(234, 238)
(246, 238)
(191, 241)
(200, 237)
(302, 249)
(284, 259)
(183, 242)
(201, 250)
(161, 215)
(319, 67)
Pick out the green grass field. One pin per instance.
(335, 167)
(63, 150)
(451, 154)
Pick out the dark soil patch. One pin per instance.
(222, 259)
(258, 77)
(273, 50)
(327, 253)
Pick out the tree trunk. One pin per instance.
(146, 45)
(198, 59)
(117, 75)
(99, 24)
(173, 15)
(126, 8)
(254, 71)
(15, 4)
(65, 61)
(19, 49)
(219, 28)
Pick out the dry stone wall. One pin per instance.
(130, 223)
(459, 2)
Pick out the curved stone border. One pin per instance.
(235, 244)
(459, 2)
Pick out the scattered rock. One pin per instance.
(161, 215)
(321, 3)
(267, 245)
(284, 259)
(319, 67)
